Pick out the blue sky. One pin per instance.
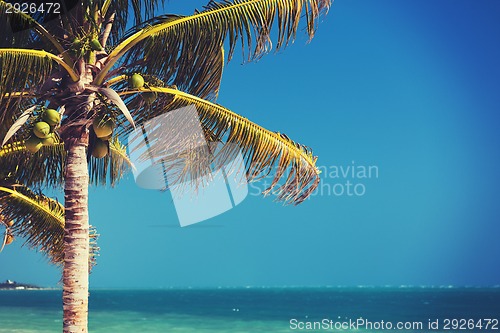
(408, 87)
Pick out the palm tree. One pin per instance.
(73, 83)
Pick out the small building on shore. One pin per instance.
(13, 285)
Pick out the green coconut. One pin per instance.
(76, 46)
(33, 144)
(100, 149)
(149, 97)
(103, 126)
(95, 45)
(77, 43)
(136, 81)
(50, 140)
(51, 117)
(41, 129)
(107, 138)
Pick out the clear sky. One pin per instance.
(411, 88)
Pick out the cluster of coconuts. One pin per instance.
(42, 133)
(9, 238)
(136, 81)
(103, 126)
(81, 45)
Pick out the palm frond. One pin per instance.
(23, 70)
(45, 167)
(202, 78)
(113, 97)
(39, 220)
(195, 41)
(265, 152)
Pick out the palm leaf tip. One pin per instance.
(296, 176)
(252, 21)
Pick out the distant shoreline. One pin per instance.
(28, 289)
(20, 286)
(13, 285)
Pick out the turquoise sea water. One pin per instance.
(254, 310)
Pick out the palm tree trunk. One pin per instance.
(76, 236)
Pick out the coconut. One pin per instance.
(10, 223)
(76, 45)
(149, 97)
(100, 149)
(103, 126)
(41, 129)
(95, 45)
(51, 117)
(50, 140)
(136, 81)
(33, 144)
(9, 239)
(107, 138)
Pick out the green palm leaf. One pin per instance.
(39, 220)
(294, 166)
(45, 168)
(194, 41)
(23, 70)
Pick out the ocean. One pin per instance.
(261, 310)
